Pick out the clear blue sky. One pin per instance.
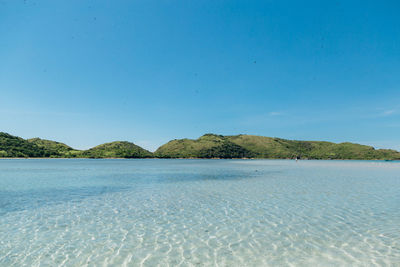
(89, 72)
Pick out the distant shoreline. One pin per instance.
(212, 159)
(208, 146)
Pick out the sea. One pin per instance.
(198, 212)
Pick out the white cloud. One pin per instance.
(388, 112)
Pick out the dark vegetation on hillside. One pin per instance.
(251, 146)
(16, 147)
(207, 146)
(117, 149)
(225, 150)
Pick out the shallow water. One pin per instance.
(58, 212)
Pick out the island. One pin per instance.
(205, 147)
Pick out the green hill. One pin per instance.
(267, 147)
(16, 147)
(56, 149)
(12, 146)
(118, 149)
(238, 146)
(207, 146)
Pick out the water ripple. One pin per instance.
(322, 214)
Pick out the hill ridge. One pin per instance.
(206, 146)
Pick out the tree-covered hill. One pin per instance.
(12, 146)
(16, 147)
(239, 146)
(118, 149)
(207, 146)
(56, 149)
(267, 147)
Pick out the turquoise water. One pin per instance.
(56, 212)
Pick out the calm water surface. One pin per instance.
(56, 212)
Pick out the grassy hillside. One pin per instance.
(51, 145)
(118, 149)
(239, 146)
(56, 149)
(207, 146)
(266, 147)
(16, 147)
(12, 146)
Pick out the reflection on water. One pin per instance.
(199, 212)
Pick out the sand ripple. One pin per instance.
(265, 213)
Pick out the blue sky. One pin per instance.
(89, 72)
